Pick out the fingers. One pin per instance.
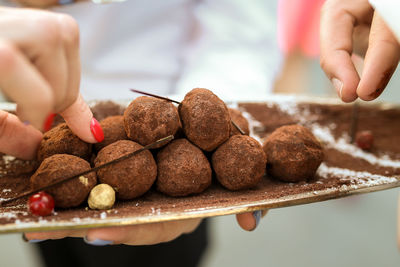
(52, 65)
(38, 3)
(55, 234)
(380, 62)
(145, 234)
(70, 40)
(336, 33)
(250, 220)
(16, 138)
(80, 120)
(22, 83)
(46, 55)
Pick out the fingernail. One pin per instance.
(96, 129)
(32, 240)
(338, 86)
(48, 122)
(257, 216)
(97, 242)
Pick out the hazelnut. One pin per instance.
(101, 197)
(364, 140)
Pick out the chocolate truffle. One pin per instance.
(183, 169)
(205, 119)
(61, 140)
(113, 129)
(240, 120)
(293, 153)
(148, 119)
(106, 109)
(239, 163)
(131, 177)
(61, 166)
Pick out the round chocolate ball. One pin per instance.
(131, 177)
(58, 167)
(106, 109)
(61, 140)
(183, 169)
(238, 118)
(148, 119)
(205, 119)
(113, 129)
(293, 153)
(239, 163)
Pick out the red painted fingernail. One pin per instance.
(97, 131)
(48, 122)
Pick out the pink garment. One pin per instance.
(298, 26)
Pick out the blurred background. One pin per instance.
(354, 231)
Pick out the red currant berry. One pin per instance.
(41, 204)
(365, 140)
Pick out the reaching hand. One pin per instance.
(40, 71)
(353, 26)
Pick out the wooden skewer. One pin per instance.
(238, 128)
(354, 122)
(44, 188)
(156, 96)
(177, 102)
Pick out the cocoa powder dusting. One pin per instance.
(345, 166)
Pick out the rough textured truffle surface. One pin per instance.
(240, 120)
(61, 166)
(61, 140)
(183, 169)
(113, 129)
(239, 163)
(106, 109)
(148, 119)
(205, 119)
(293, 153)
(131, 177)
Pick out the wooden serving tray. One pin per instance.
(346, 170)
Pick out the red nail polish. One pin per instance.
(48, 122)
(97, 131)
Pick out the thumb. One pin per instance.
(249, 221)
(80, 120)
(16, 138)
(380, 61)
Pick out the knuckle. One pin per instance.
(49, 30)
(3, 123)
(322, 62)
(60, 103)
(70, 99)
(69, 30)
(8, 57)
(44, 102)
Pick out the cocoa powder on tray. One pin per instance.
(345, 166)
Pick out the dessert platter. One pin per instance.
(334, 167)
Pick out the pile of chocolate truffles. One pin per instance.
(208, 143)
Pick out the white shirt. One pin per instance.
(170, 47)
